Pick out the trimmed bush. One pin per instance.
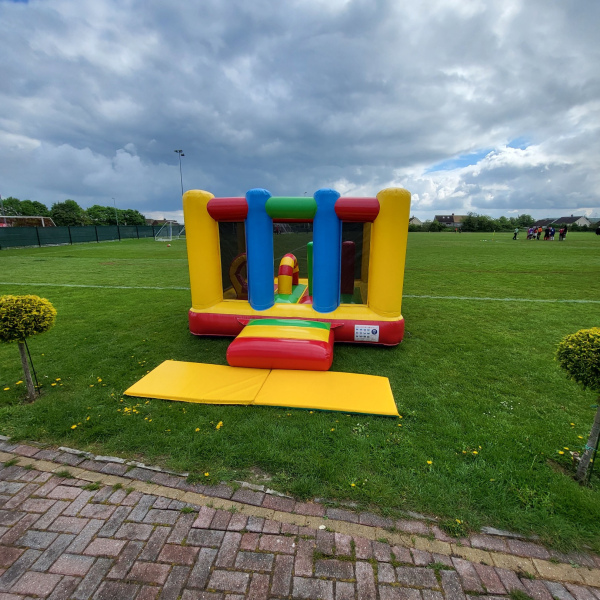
(579, 355)
(24, 316)
(20, 318)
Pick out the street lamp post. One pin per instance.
(116, 214)
(180, 153)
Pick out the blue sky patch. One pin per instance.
(521, 143)
(464, 160)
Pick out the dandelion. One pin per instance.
(352, 485)
(429, 462)
(52, 384)
(560, 452)
(91, 385)
(18, 383)
(400, 416)
(458, 521)
(565, 448)
(399, 424)
(219, 425)
(87, 419)
(207, 474)
(6, 389)
(332, 429)
(572, 424)
(580, 437)
(475, 452)
(57, 379)
(197, 429)
(73, 426)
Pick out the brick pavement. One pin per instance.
(101, 535)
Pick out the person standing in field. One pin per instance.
(516, 233)
(539, 232)
(552, 232)
(547, 234)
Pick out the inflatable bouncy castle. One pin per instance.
(354, 265)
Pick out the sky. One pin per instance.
(472, 105)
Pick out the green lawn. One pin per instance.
(475, 381)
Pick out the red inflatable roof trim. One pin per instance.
(228, 209)
(358, 210)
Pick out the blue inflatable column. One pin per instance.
(259, 250)
(327, 252)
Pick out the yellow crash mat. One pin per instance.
(196, 382)
(316, 390)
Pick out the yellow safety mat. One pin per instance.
(316, 390)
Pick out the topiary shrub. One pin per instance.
(20, 318)
(579, 355)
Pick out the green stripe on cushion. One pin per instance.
(290, 323)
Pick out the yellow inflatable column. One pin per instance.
(204, 256)
(389, 235)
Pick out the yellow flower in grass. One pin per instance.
(565, 448)
(6, 389)
(73, 426)
(52, 384)
(475, 452)
(197, 429)
(219, 425)
(580, 437)
(207, 474)
(99, 380)
(429, 462)
(352, 485)
(560, 452)
(332, 429)
(18, 383)
(57, 379)
(458, 521)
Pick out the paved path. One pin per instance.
(80, 532)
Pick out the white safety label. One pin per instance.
(366, 333)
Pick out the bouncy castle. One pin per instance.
(354, 265)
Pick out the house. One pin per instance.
(543, 223)
(580, 221)
(415, 221)
(450, 220)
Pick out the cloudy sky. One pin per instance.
(473, 105)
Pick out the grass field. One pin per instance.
(485, 408)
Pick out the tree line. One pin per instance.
(475, 222)
(70, 214)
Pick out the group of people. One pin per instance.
(535, 233)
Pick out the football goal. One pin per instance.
(170, 231)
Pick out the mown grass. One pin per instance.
(485, 409)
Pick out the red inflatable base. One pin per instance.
(275, 353)
(389, 333)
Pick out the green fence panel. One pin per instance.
(145, 231)
(128, 232)
(108, 232)
(15, 237)
(83, 234)
(53, 236)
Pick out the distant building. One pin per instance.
(543, 223)
(452, 220)
(580, 221)
(415, 221)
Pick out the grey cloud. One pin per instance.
(300, 95)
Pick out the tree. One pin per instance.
(132, 217)
(525, 220)
(20, 318)
(101, 215)
(579, 355)
(34, 209)
(68, 213)
(433, 226)
(12, 206)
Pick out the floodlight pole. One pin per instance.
(2, 206)
(116, 214)
(180, 153)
